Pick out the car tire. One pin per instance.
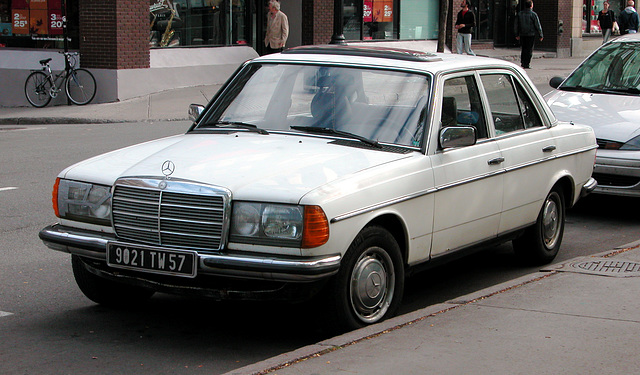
(540, 242)
(106, 292)
(369, 285)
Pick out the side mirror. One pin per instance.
(195, 110)
(555, 82)
(458, 136)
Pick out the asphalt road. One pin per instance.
(48, 327)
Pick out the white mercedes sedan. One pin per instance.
(327, 172)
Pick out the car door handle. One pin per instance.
(549, 148)
(496, 161)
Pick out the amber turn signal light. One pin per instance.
(316, 227)
(54, 197)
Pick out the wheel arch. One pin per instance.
(566, 186)
(396, 226)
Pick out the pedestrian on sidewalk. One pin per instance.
(628, 19)
(526, 28)
(277, 28)
(606, 19)
(465, 22)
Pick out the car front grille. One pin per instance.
(170, 213)
(615, 180)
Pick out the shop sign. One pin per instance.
(20, 21)
(387, 11)
(367, 11)
(55, 22)
(38, 21)
(382, 11)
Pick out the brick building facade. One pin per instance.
(113, 38)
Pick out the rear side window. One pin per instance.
(511, 109)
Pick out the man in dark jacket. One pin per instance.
(526, 28)
(465, 22)
(628, 19)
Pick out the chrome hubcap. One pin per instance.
(372, 285)
(550, 223)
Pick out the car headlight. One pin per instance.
(632, 145)
(82, 201)
(279, 224)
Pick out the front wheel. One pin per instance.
(369, 286)
(106, 292)
(37, 88)
(540, 243)
(80, 86)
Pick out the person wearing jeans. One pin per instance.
(465, 22)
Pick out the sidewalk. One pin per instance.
(173, 105)
(578, 317)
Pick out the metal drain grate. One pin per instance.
(606, 267)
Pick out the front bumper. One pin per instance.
(618, 173)
(93, 245)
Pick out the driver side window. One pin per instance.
(461, 105)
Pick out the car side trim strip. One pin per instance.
(377, 206)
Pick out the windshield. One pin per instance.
(370, 104)
(614, 68)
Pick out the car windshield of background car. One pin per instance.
(614, 68)
(381, 105)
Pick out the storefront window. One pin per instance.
(198, 22)
(370, 19)
(38, 23)
(590, 10)
(419, 19)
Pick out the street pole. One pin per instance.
(65, 42)
(338, 36)
(442, 24)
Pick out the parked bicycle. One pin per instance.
(42, 85)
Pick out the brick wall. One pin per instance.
(114, 34)
(322, 21)
(564, 14)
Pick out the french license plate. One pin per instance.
(152, 259)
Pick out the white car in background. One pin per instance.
(604, 93)
(331, 171)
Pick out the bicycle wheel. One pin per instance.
(37, 88)
(80, 86)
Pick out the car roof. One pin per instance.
(384, 57)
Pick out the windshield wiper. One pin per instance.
(237, 124)
(583, 89)
(625, 90)
(320, 130)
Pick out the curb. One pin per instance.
(370, 332)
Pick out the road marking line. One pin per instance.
(8, 188)
(4, 313)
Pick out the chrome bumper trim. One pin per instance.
(588, 187)
(94, 245)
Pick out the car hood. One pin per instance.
(612, 117)
(253, 166)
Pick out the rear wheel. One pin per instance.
(106, 292)
(37, 88)
(80, 86)
(369, 286)
(540, 242)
